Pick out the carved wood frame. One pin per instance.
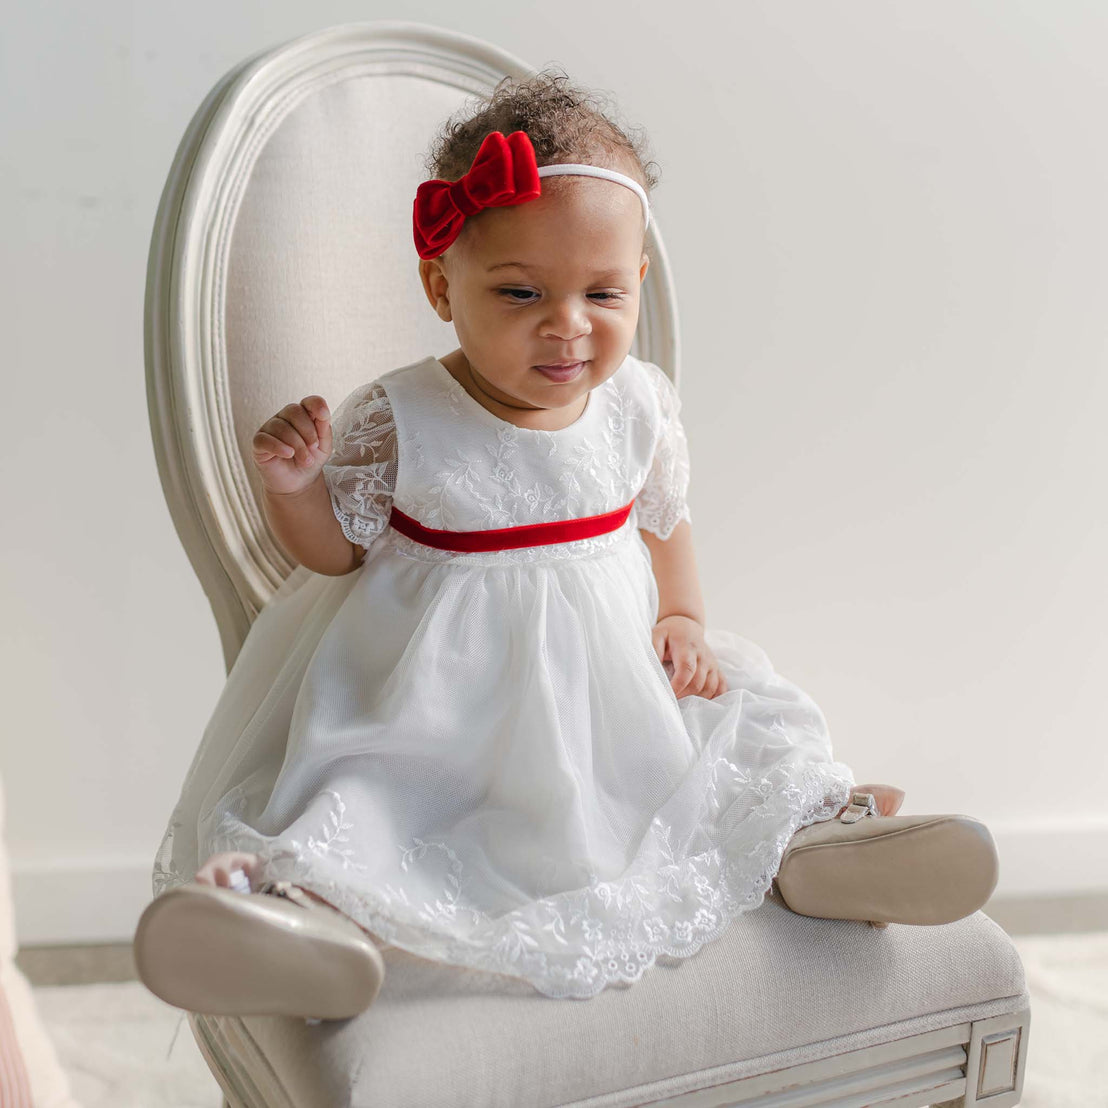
(976, 1064)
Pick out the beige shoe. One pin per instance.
(274, 952)
(888, 869)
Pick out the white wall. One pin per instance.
(887, 225)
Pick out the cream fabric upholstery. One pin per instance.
(776, 990)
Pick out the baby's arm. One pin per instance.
(289, 452)
(678, 633)
(674, 563)
(306, 525)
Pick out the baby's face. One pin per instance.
(551, 280)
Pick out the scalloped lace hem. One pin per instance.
(610, 946)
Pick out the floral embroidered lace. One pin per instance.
(362, 472)
(668, 905)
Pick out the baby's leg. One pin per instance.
(218, 868)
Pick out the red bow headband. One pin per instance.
(503, 173)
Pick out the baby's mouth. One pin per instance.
(562, 371)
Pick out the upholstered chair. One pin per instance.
(282, 264)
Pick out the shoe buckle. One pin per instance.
(861, 804)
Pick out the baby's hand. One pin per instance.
(290, 449)
(696, 671)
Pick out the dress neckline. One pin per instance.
(453, 382)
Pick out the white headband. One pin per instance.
(579, 170)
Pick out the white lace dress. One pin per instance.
(477, 753)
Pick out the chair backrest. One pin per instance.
(282, 264)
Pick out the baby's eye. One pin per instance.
(524, 296)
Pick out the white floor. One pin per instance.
(124, 1048)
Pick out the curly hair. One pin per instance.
(565, 123)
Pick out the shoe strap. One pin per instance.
(861, 805)
(289, 891)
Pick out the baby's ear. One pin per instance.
(645, 266)
(435, 285)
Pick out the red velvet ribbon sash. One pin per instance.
(510, 538)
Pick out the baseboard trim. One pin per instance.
(85, 904)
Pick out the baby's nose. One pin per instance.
(566, 322)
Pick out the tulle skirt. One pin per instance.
(486, 765)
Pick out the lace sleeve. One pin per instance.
(361, 472)
(661, 502)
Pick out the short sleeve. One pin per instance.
(361, 472)
(661, 503)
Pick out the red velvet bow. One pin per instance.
(503, 173)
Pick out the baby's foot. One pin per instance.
(229, 955)
(888, 797)
(217, 870)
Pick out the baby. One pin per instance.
(512, 742)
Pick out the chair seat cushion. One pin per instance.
(777, 989)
